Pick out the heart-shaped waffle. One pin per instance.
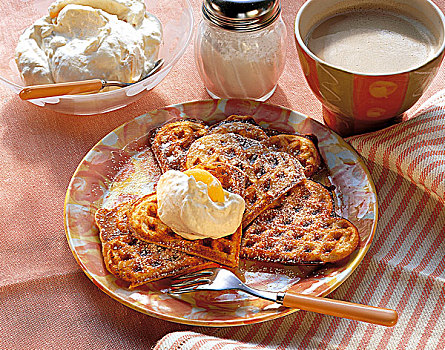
(231, 149)
(299, 229)
(302, 147)
(145, 224)
(135, 261)
(171, 142)
(269, 174)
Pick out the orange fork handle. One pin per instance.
(358, 312)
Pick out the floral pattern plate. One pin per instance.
(121, 152)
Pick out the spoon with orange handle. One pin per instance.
(78, 87)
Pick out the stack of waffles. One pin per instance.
(289, 218)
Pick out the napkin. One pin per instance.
(413, 149)
(407, 164)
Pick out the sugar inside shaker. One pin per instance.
(240, 48)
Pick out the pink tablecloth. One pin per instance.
(48, 303)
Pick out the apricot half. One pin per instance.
(214, 188)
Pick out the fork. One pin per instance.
(221, 279)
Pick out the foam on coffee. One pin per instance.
(372, 41)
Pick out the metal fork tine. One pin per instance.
(190, 282)
(195, 274)
(182, 290)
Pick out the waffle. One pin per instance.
(269, 174)
(230, 148)
(248, 119)
(170, 142)
(299, 229)
(275, 174)
(242, 128)
(135, 261)
(145, 225)
(301, 147)
(303, 201)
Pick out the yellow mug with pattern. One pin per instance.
(360, 93)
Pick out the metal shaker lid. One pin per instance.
(241, 15)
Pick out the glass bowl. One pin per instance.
(177, 23)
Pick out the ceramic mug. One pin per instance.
(354, 102)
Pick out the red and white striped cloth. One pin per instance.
(404, 268)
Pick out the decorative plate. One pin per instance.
(116, 169)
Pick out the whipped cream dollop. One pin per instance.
(87, 39)
(185, 206)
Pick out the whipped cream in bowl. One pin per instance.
(87, 39)
(176, 19)
(184, 204)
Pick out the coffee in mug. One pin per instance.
(373, 41)
(368, 61)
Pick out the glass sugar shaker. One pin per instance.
(240, 48)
